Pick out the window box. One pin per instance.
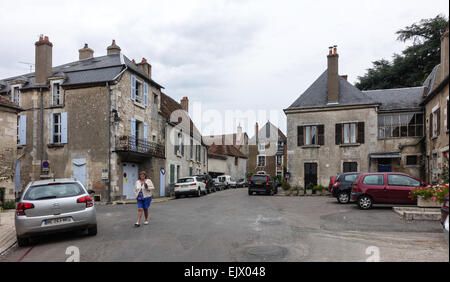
(310, 146)
(350, 145)
(56, 145)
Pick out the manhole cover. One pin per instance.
(266, 252)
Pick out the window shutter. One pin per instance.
(22, 130)
(133, 88)
(300, 136)
(431, 125)
(133, 127)
(145, 132)
(64, 128)
(438, 121)
(52, 127)
(338, 133)
(182, 144)
(361, 132)
(321, 139)
(145, 94)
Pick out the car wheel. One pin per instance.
(199, 193)
(22, 242)
(177, 196)
(343, 198)
(250, 193)
(365, 202)
(92, 231)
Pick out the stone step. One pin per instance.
(416, 213)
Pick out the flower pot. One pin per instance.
(427, 203)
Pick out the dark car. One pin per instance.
(207, 179)
(342, 187)
(262, 183)
(218, 186)
(384, 188)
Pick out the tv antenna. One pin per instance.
(31, 65)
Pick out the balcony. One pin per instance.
(135, 149)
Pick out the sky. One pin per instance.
(238, 61)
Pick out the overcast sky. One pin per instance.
(235, 55)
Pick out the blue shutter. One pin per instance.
(145, 94)
(22, 130)
(133, 88)
(145, 131)
(133, 134)
(52, 128)
(64, 127)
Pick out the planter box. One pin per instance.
(421, 202)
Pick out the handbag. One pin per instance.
(140, 196)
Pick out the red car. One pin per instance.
(384, 188)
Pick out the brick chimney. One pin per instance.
(145, 67)
(113, 48)
(185, 104)
(86, 52)
(256, 131)
(43, 60)
(333, 76)
(444, 54)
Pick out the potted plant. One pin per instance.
(430, 196)
(309, 187)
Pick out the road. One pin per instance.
(232, 226)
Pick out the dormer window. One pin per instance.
(15, 94)
(56, 94)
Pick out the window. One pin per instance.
(138, 94)
(261, 146)
(311, 135)
(349, 133)
(400, 125)
(16, 95)
(377, 179)
(261, 160)
(155, 98)
(350, 167)
(192, 149)
(351, 177)
(21, 130)
(402, 180)
(56, 137)
(435, 120)
(411, 160)
(279, 160)
(56, 95)
(236, 161)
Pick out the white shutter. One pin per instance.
(133, 88)
(64, 135)
(22, 130)
(52, 128)
(145, 94)
(145, 131)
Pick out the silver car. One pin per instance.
(48, 206)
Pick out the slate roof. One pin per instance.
(93, 70)
(8, 104)
(316, 96)
(398, 98)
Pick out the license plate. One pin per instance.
(57, 221)
(258, 183)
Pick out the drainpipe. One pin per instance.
(109, 142)
(42, 129)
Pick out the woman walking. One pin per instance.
(143, 193)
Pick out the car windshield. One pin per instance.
(350, 177)
(186, 180)
(53, 191)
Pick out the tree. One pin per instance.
(416, 62)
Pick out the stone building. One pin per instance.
(334, 127)
(11, 135)
(437, 118)
(96, 119)
(268, 151)
(186, 153)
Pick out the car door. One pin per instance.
(374, 185)
(399, 187)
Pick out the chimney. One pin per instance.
(113, 49)
(86, 52)
(43, 60)
(256, 131)
(444, 54)
(239, 131)
(185, 104)
(145, 67)
(344, 76)
(333, 76)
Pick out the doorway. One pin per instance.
(310, 174)
(129, 178)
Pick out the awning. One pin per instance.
(385, 155)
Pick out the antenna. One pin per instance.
(31, 65)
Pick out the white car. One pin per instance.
(227, 180)
(189, 186)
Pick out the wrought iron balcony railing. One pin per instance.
(132, 144)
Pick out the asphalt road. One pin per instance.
(232, 226)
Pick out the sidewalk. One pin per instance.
(7, 230)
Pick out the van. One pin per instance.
(225, 179)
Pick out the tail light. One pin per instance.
(21, 207)
(336, 184)
(355, 187)
(86, 200)
(192, 184)
(267, 181)
(249, 182)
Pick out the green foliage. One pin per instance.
(436, 193)
(9, 205)
(415, 63)
(444, 171)
(319, 188)
(309, 186)
(285, 185)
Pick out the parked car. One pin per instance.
(218, 186)
(56, 205)
(207, 179)
(192, 185)
(242, 183)
(444, 216)
(332, 181)
(260, 183)
(384, 188)
(342, 188)
(226, 179)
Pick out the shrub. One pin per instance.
(9, 205)
(436, 193)
(285, 185)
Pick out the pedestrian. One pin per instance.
(143, 194)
